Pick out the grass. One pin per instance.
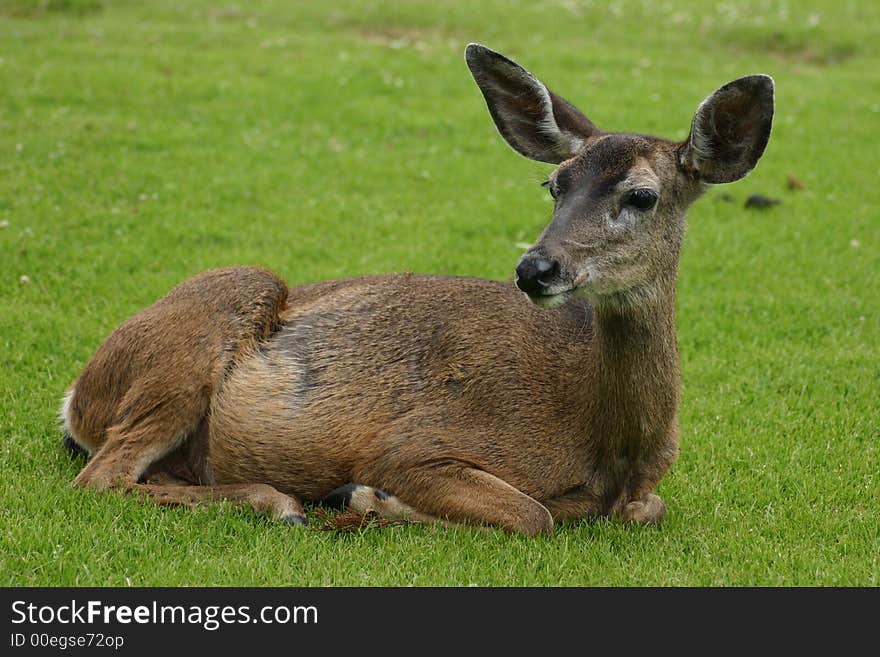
(140, 144)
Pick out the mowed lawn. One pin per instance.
(141, 143)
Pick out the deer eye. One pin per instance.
(550, 187)
(641, 199)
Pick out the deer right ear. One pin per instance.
(730, 130)
(534, 121)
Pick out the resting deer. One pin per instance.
(437, 398)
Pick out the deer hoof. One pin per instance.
(294, 519)
(647, 511)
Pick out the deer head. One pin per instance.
(620, 198)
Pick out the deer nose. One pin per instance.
(534, 273)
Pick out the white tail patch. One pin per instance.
(64, 413)
(67, 425)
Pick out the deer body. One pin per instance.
(353, 404)
(430, 397)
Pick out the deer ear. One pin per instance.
(730, 130)
(535, 122)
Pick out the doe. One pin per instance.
(428, 397)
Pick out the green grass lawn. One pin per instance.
(141, 143)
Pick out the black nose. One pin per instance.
(535, 273)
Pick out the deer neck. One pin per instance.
(636, 365)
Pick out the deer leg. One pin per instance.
(134, 444)
(647, 510)
(163, 478)
(574, 505)
(458, 492)
(261, 497)
(126, 455)
(579, 504)
(639, 503)
(147, 388)
(365, 499)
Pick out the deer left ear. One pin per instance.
(730, 130)
(532, 119)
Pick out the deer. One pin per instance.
(426, 398)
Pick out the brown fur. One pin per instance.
(461, 398)
(147, 388)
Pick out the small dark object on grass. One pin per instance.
(761, 202)
(727, 198)
(795, 183)
(350, 521)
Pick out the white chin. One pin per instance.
(552, 301)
